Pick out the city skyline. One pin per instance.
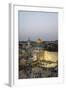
(34, 25)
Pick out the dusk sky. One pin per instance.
(36, 25)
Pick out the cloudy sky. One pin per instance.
(36, 25)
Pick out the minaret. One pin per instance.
(28, 42)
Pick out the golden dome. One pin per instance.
(39, 40)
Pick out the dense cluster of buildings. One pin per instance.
(39, 43)
(36, 54)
